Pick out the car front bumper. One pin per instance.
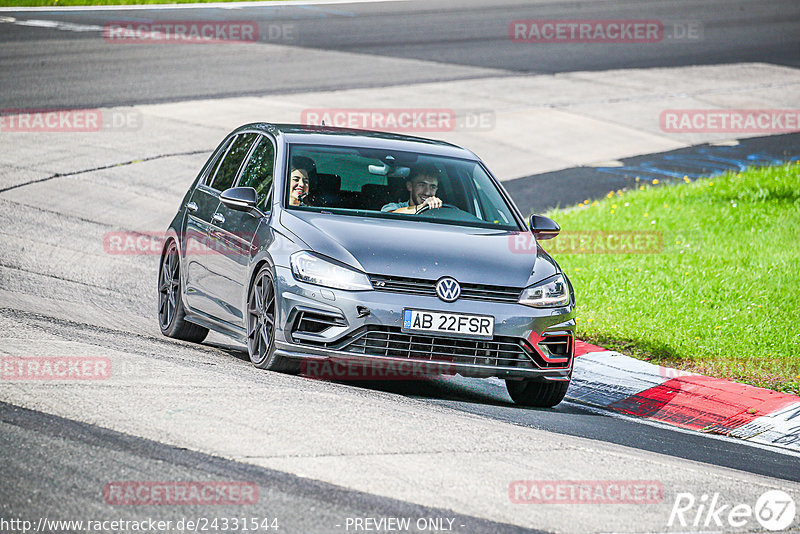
(352, 313)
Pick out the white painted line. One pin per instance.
(665, 426)
(608, 163)
(212, 5)
(37, 23)
(52, 24)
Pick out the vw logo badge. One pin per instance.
(448, 289)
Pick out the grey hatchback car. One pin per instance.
(370, 250)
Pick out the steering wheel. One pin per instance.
(426, 207)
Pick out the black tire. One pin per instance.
(261, 323)
(171, 314)
(536, 393)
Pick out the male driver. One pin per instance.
(422, 184)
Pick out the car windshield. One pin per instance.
(395, 185)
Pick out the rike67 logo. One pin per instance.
(774, 510)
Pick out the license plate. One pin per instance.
(453, 324)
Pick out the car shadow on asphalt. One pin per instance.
(438, 388)
(441, 389)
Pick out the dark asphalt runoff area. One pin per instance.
(566, 187)
(344, 46)
(54, 467)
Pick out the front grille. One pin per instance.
(392, 343)
(416, 286)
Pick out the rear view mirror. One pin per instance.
(544, 227)
(239, 198)
(387, 170)
(380, 170)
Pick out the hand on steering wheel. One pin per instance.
(436, 203)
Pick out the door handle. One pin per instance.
(218, 218)
(191, 206)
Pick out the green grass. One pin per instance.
(723, 295)
(24, 3)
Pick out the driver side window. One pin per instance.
(259, 171)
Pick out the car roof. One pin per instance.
(328, 135)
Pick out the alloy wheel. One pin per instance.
(261, 319)
(168, 287)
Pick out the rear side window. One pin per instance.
(259, 170)
(226, 173)
(212, 168)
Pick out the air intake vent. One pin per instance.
(557, 345)
(309, 322)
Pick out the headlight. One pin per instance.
(308, 267)
(551, 293)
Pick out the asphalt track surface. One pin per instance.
(343, 46)
(30, 441)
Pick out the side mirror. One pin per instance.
(544, 227)
(239, 198)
